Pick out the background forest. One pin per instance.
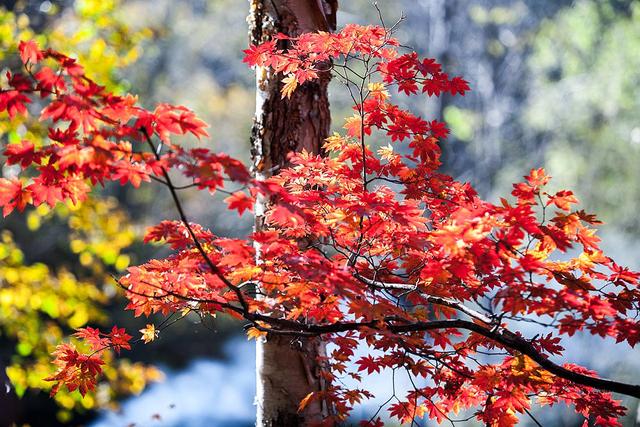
(554, 84)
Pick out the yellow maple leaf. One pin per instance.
(255, 333)
(290, 84)
(386, 152)
(335, 216)
(524, 365)
(149, 333)
(334, 143)
(353, 125)
(378, 90)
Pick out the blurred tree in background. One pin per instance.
(584, 108)
(553, 79)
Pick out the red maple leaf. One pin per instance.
(13, 196)
(94, 337)
(30, 52)
(119, 339)
(240, 201)
(369, 364)
(23, 153)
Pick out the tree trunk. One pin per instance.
(287, 368)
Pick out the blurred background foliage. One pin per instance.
(585, 74)
(60, 280)
(554, 84)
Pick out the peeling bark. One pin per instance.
(287, 368)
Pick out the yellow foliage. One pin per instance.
(93, 30)
(40, 306)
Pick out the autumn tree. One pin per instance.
(368, 247)
(282, 126)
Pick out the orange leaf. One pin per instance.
(290, 84)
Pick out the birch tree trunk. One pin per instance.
(287, 368)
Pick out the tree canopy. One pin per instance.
(366, 248)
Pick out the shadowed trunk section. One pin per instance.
(287, 368)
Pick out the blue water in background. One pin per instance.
(208, 393)
(220, 393)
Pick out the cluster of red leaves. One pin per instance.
(79, 370)
(96, 137)
(365, 246)
(309, 54)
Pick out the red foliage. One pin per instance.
(397, 256)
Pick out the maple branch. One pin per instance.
(447, 302)
(174, 195)
(501, 335)
(515, 342)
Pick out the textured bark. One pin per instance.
(287, 368)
